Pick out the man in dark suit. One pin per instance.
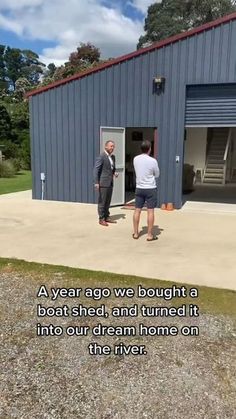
(104, 172)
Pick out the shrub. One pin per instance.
(24, 152)
(7, 169)
(10, 149)
(17, 163)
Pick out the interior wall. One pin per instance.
(133, 147)
(195, 147)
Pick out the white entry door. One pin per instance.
(118, 136)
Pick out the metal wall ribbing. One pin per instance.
(211, 105)
(65, 120)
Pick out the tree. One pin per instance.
(19, 117)
(22, 86)
(19, 71)
(5, 124)
(18, 63)
(86, 56)
(14, 132)
(3, 83)
(171, 17)
(51, 68)
(48, 74)
(32, 68)
(64, 71)
(13, 64)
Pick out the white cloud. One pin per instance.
(143, 5)
(10, 25)
(67, 23)
(18, 4)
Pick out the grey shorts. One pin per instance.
(146, 195)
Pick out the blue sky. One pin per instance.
(54, 28)
(14, 41)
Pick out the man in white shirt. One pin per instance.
(146, 171)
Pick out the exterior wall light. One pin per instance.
(158, 84)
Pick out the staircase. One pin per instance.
(215, 168)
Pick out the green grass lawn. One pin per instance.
(210, 300)
(20, 182)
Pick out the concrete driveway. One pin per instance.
(195, 245)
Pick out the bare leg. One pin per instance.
(150, 223)
(136, 218)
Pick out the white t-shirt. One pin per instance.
(146, 171)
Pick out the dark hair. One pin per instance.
(145, 146)
(109, 141)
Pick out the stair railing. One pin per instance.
(226, 155)
(206, 163)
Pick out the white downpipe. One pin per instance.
(42, 177)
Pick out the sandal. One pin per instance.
(151, 240)
(135, 237)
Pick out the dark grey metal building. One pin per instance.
(158, 92)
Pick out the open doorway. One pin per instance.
(133, 139)
(209, 172)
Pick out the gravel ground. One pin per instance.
(56, 378)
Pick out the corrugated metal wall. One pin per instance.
(65, 120)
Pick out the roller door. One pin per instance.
(211, 105)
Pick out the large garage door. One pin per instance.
(211, 105)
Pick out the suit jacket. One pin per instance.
(103, 173)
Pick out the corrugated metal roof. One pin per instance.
(142, 51)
